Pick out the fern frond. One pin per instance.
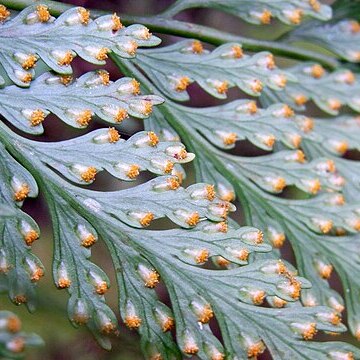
(334, 139)
(122, 159)
(13, 341)
(273, 178)
(143, 256)
(329, 91)
(35, 34)
(216, 272)
(325, 214)
(308, 177)
(175, 67)
(261, 11)
(341, 38)
(337, 136)
(241, 120)
(93, 94)
(20, 270)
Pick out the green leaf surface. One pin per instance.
(302, 221)
(123, 159)
(346, 8)
(140, 256)
(174, 67)
(19, 268)
(93, 94)
(336, 136)
(329, 91)
(13, 341)
(161, 236)
(261, 11)
(34, 34)
(341, 38)
(333, 139)
(242, 119)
